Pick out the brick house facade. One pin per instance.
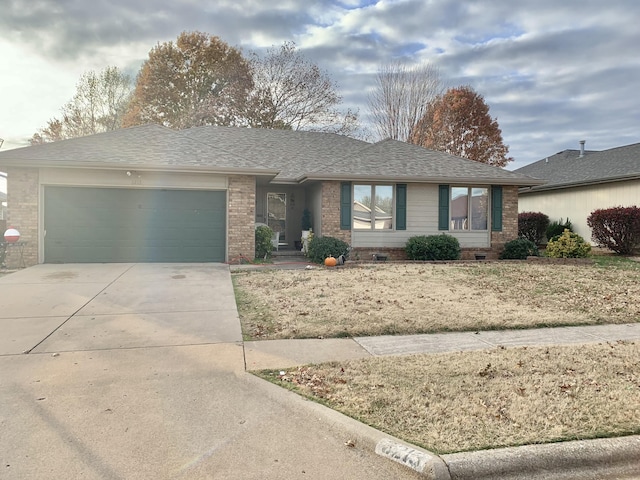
(230, 166)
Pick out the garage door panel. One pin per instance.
(127, 225)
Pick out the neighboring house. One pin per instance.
(579, 182)
(149, 193)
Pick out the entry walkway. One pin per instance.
(286, 353)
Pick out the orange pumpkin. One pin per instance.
(330, 262)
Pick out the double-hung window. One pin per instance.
(373, 207)
(469, 208)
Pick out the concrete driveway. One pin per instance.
(128, 371)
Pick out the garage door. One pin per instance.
(105, 225)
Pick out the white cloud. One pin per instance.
(552, 72)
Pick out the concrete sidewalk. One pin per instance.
(285, 353)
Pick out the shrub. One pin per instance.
(323, 247)
(3, 252)
(263, 241)
(617, 228)
(556, 228)
(433, 247)
(532, 226)
(567, 245)
(519, 249)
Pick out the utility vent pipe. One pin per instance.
(582, 142)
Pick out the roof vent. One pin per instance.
(582, 142)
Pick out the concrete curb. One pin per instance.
(584, 459)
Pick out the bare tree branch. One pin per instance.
(401, 96)
(293, 93)
(98, 106)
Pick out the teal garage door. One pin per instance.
(108, 225)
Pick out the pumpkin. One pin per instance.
(330, 262)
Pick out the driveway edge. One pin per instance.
(595, 459)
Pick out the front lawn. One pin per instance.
(484, 399)
(425, 298)
(467, 400)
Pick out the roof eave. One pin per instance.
(149, 168)
(585, 183)
(440, 180)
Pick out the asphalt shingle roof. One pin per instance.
(567, 168)
(402, 161)
(144, 146)
(290, 156)
(293, 153)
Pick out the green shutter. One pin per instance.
(401, 206)
(496, 208)
(443, 207)
(345, 206)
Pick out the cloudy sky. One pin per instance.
(553, 72)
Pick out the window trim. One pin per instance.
(394, 206)
(469, 219)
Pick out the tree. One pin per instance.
(401, 96)
(198, 80)
(459, 123)
(99, 105)
(290, 92)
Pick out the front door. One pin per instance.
(277, 214)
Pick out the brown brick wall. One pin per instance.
(22, 203)
(509, 220)
(331, 212)
(399, 254)
(242, 215)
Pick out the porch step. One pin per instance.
(289, 252)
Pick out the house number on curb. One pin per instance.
(405, 455)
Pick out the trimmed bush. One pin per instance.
(263, 241)
(532, 226)
(617, 228)
(567, 245)
(556, 228)
(323, 247)
(519, 249)
(433, 247)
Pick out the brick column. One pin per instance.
(509, 219)
(22, 205)
(331, 212)
(242, 217)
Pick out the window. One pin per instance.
(373, 207)
(469, 208)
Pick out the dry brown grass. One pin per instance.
(425, 298)
(475, 400)
(470, 400)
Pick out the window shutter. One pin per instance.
(443, 207)
(496, 208)
(401, 206)
(345, 206)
